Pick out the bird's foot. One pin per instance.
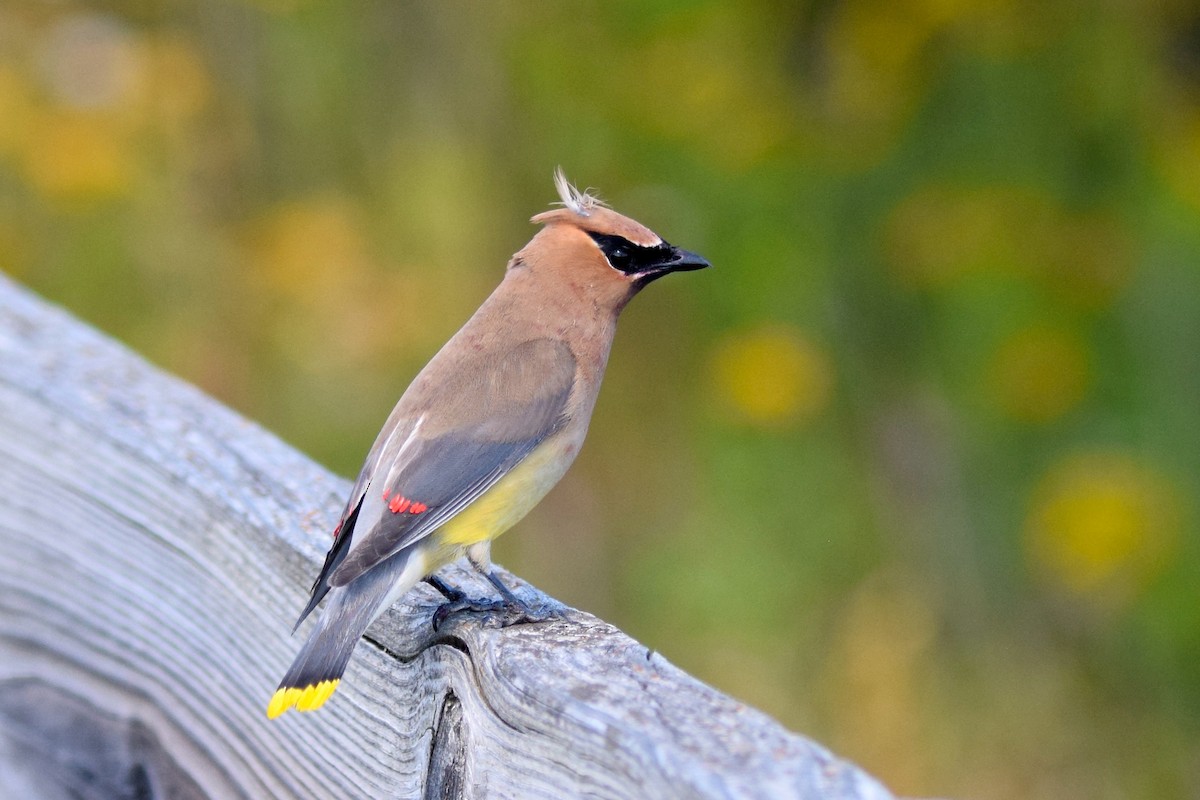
(498, 613)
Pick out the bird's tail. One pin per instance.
(349, 610)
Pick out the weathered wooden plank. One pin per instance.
(154, 550)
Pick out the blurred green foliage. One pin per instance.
(912, 469)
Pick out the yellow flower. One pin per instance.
(938, 234)
(740, 86)
(77, 156)
(872, 77)
(1039, 373)
(1176, 151)
(1090, 262)
(176, 86)
(310, 249)
(315, 258)
(877, 670)
(876, 62)
(1101, 525)
(772, 375)
(14, 248)
(15, 111)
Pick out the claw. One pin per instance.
(499, 613)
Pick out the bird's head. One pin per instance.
(588, 244)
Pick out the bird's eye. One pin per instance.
(622, 254)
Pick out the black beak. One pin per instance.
(684, 261)
(676, 260)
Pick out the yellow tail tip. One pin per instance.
(309, 698)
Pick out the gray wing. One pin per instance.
(502, 410)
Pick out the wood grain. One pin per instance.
(154, 550)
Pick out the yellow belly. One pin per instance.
(510, 499)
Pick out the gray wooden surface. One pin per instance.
(154, 551)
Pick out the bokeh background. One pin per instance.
(912, 469)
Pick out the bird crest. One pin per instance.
(582, 203)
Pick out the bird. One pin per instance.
(483, 432)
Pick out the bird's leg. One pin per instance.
(512, 611)
(505, 592)
(448, 591)
(480, 556)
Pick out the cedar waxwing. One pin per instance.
(484, 431)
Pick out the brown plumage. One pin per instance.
(485, 430)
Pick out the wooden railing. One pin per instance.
(154, 550)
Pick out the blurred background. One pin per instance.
(912, 469)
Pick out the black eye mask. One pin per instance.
(631, 258)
